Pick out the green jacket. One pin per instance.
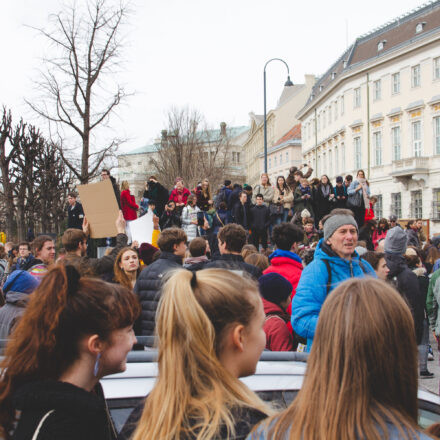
(433, 301)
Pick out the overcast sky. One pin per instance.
(203, 53)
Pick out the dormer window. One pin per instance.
(381, 45)
(321, 88)
(333, 75)
(420, 26)
(344, 64)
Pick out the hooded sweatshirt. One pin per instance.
(278, 336)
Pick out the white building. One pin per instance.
(378, 109)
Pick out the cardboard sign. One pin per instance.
(100, 207)
(142, 228)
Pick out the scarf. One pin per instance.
(325, 189)
(304, 190)
(363, 182)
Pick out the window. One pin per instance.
(377, 142)
(343, 157)
(330, 163)
(377, 89)
(324, 121)
(287, 156)
(415, 76)
(436, 63)
(395, 140)
(336, 110)
(357, 153)
(329, 114)
(416, 204)
(378, 207)
(381, 45)
(437, 134)
(395, 83)
(233, 156)
(419, 27)
(275, 161)
(336, 161)
(281, 158)
(342, 105)
(396, 204)
(416, 129)
(357, 97)
(238, 157)
(436, 204)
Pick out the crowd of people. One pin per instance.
(301, 266)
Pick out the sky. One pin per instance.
(205, 54)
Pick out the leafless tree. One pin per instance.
(78, 85)
(189, 149)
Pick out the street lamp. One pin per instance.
(288, 83)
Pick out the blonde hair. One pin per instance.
(366, 376)
(194, 393)
(124, 185)
(258, 260)
(206, 193)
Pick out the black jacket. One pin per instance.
(246, 419)
(234, 262)
(116, 190)
(148, 289)
(75, 216)
(169, 220)
(340, 191)
(159, 194)
(407, 284)
(78, 414)
(260, 218)
(323, 204)
(241, 215)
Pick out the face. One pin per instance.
(71, 200)
(308, 228)
(104, 175)
(344, 240)
(114, 356)
(324, 180)
(280, 182)
(180, 249)
(171, 206)
(179, 185)
(205, 184)
(83, 248)
(361, 174)
(259, 201)
(264, 180)
(297, 177)
(23, 251)
(243, 197)
(129, 261)
(47, 252)
(382, 270)
(419, 224)
(347, 182)
(191, 202)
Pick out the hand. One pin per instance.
(210, 201)
(135, 244)
(331, 196)
(206, 225)
(194, 222)
(86, 226)
(120, 223)
(155, 222)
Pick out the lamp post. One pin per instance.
(288, 83)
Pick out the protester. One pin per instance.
(219, 219)
(340, 192)
(44, 251)
(265, 189)
(260, 221)
(75, 212)
(358, 197)
(364, 383)
(380, 232)
(241, 213)
(282, 201)
(432, 257)
(378, 263)
(210, 325)
(421, 233)
(231, 240)
(105, 174)
(302, 198)
(170, 218)
(335, 260)
(156, 192)
(412, 231)
(369, 212)
(172, 245)
(198, 249)
(311, 235)
(16, 290)
(203, 194)
(258, 260)
(74, 331)
(324, 198)
(223, 194)
(347, 181)
(146, 253)
(275, 291)
(25, 258)
(366, 234)
(189, 217)
(126, 268)
(179, 195)
(128, 204)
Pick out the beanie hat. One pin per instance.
(146, 252)
(334, 222)
(178, 179)
(339, 179)
(20, 281)
(305, 213)
(395, 241)
(274, 287)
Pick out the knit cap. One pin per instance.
(305, 213)
(20, 281)
(274, 287)
(146, 252)
(334, 222)
(396, 241)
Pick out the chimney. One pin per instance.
(164, 137)
(223, 129)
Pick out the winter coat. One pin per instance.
(299, 204)
(433, 302)
(413, 238)
(407, 284)
(222, 196)
(116, 191)
(267, 193)
(202, 200)
(310, 238)
(323, 204)
(378, 235)
(340, 191)
(234, 198)
(170, 219)
(189, 214)
(245, 419)
(75, 216)
(128, 205)
(234, 262)
(179, 196)
(366, 235)
(12, 310)
(278, 336)
(287, 198)
(369, 213)
(148, 290)
(312, 287)
(71, 412)
(241, 215)
(219, 219)
(23, 263)
(260, 218)
(159, 194)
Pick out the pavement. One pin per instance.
(434, 367)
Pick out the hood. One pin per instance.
(18, 299)
(324, 251)
(271, 308)
(284, 254)
(396, 264)
(20, 281)
(194, 260)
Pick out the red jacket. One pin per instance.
(128, 205)
(179, 197)
(378, 235)
(369, 213)
(278, 336)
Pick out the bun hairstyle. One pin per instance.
(195, 311)
(63, 309)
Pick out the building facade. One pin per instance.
(378, 109)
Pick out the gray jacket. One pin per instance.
(11, 312)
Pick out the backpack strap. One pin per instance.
(219, 219)
(364, 270)
(329, 274)
(37, 431)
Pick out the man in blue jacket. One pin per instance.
(335, 261)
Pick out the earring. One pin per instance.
(96, 368)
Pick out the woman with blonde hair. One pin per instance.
(362, 385)
(203, 194)
(210, 332)
(126, 268)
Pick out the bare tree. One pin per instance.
(190, 150)
(78, 89)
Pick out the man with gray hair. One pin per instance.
(335, 261)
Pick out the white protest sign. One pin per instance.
(142, 228)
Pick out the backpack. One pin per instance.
(221, 197)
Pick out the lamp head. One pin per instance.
(288, 83)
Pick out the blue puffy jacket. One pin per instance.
(312, 287)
